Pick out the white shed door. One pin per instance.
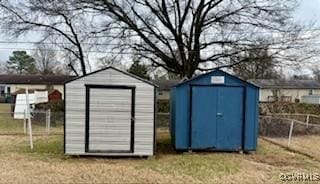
(110, 119)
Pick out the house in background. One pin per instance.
(286, 90)
(164, 88)
(54, 95)
(11, 83)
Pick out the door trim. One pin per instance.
(217, 85)
(87, 120)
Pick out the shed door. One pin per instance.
(217, 117)
(110, 119)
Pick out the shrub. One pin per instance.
(163, 106)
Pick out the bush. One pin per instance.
(163, 106)
(281, 107)
(57, 106)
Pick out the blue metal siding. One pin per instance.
(251, 121)
(206, 80)
(172, 114)
(181, 108)
(182, 117)
(204, 121)
(230, 120)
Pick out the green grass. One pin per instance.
(197, 165)
(44, 145)
(8, 125)
(201, 166)
(206, 167)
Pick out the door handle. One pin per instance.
(219, 114)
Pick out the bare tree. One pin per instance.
(256, 63)
(316, 73)
(110, 60)
(190, 35)
(57, 21)
(46, 60)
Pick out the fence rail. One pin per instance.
(290, 119)
(296, 114)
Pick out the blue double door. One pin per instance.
(217, 117)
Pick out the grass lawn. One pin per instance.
(47, 164)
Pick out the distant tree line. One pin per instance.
(42, 61)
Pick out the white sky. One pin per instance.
(308, 11)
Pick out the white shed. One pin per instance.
(110, 112)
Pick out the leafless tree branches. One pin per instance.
(183, 36)
(57, 21)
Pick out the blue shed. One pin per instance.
(214, 111)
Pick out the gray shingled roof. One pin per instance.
(286, 84)
(34, 79)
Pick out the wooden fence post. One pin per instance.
(308, 117)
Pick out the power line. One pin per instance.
(99, 44)
(58, 50)
(106, 51)
(49, 43)
(233, 32)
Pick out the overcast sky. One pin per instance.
(309, 10)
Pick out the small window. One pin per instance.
(286, 98)
(310, 92)
(272, 98)
(8, 90)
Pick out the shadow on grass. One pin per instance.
(164, 145)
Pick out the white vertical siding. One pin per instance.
(75, 110)
(110, 119)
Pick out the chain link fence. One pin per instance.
(299, 132)
(43, 122)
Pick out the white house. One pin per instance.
(286, 90)
(11, 83)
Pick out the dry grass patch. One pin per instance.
(308, 144)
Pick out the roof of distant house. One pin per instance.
(286, 84)
(23, 91)
(165, 84)
(34, 79)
